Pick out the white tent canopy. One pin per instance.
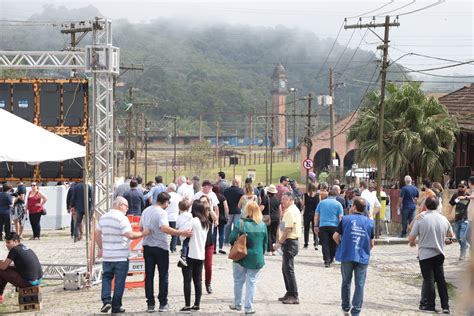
(33, 144)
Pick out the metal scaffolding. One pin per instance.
(101, 60)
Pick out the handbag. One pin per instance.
(43, 212)
(239, 249)
(266, 218)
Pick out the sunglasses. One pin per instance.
(33, 185)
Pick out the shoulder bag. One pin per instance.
(266, 218)
(239, 249)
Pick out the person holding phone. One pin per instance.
(459, 205)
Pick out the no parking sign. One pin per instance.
(308, 164)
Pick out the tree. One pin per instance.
(419, 134)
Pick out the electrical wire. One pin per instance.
(346, 127)
(387, 12)
(362, 14)
(424, 8)
(355, 51)
(435, 68)
(330, 51)
(345, 48)
(426, 56)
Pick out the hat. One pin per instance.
(462, 183)
(206, 183)
(271, 189)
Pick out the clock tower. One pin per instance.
(279, 93)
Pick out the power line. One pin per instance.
(435, 68)
(426, 56)
(424, 8)
(346, 127)
(329, 53)
(355, 51)
(387, 12)
(362, 14)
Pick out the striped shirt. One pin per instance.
(113, 225)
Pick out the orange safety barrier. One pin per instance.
(137, 263)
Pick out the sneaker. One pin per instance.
(185, 310)
(430, 310)
(195, 308)
(166, 308)
(305, 247)
(291, 300)
(105, 308)
(150, 309)
(446, 311)
(252, 311)
(222, 252)
(284, 297)
(120, 311)
(327, 265)
(182, 262)
(235, 308)
(208, 289)
(346, 313)
(316, 248)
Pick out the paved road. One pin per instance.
(393, 284)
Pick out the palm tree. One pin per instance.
(419, 134)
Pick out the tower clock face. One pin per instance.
(282, 84)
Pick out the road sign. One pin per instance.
(308, 164)
(175, 168)
(136, 266)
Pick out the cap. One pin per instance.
(462, 183)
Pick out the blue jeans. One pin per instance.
(218, 231)
(360, 273)
(111, 270)
(407, 217)
(249, 277)
(462, 228)
(174, 239)
(233, 218)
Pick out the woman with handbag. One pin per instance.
(219, 230)
(271, 216)
(35, 205)
(250, 230)
(195, 258)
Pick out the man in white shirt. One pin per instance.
(173, 212)
(371, 199)
(185, 190)
(113, 234)
(206, 189)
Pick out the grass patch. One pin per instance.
(285, 168)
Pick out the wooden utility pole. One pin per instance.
(250, 138)
(200, 128)
(266, 143)
(135, 172)
(217, 144)
(332, 120)
(146, 150)
(386, 25)
(309, 143)
(294, 124)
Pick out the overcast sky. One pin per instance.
(444, 30)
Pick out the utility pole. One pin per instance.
(146, 150)
(309, 142)
(73, 30)
(383, 73)
(129, 134)
(294, 123)
(250, 138)
(135, 173)
(331, 120)
(217, 144)
(200, 128)
(266, 143)
(175, 135)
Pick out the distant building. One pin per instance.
(460, 103)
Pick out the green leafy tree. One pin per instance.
(419, 134)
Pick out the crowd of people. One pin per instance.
(206, 217)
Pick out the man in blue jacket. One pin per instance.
(355, 237)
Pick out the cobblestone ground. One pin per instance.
(392, 288)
